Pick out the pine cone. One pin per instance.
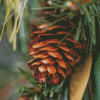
(52, 62)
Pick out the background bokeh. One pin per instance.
(11, 59)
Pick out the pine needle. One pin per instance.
(97, 15)
(40, 8)
(89, 86)
(8, 22)
(78, 31)
(14, 29)
(67, 35)
(7, 14)
(24, 58)
(15, 23)
(15, 43)
(87, 13)
(18, 13)
(94, 6)
(57, 3)
(21, 15)
(14, 38)
(9, 28)
(55, 22)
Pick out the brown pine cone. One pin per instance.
(51, 62)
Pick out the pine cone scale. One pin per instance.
(42, 68)
(61, 63)
(43, 25)
(48, 48)
(41, 44)
(51, 69)
(55, 54)
(40, 55)
(48, 61)
(68, 56)
(64, 48)
(61, 71)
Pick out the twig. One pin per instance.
(91, 95)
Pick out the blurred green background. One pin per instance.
(10, 59)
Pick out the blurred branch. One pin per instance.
(91, 95)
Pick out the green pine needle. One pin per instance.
(28, 90)
(41, 8)
(96, 15)
(94, 6)
(78, 31)
(31, 98)
(58, 1)
(45, 92)
(52, 89)
(83, 30)
(57, 89)
(67, 35)
(24, 58)
(26, 74)
(33, 80)
(55, 22)
(87, 13)
(40, 85)
(51, 94)
(19, 87)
